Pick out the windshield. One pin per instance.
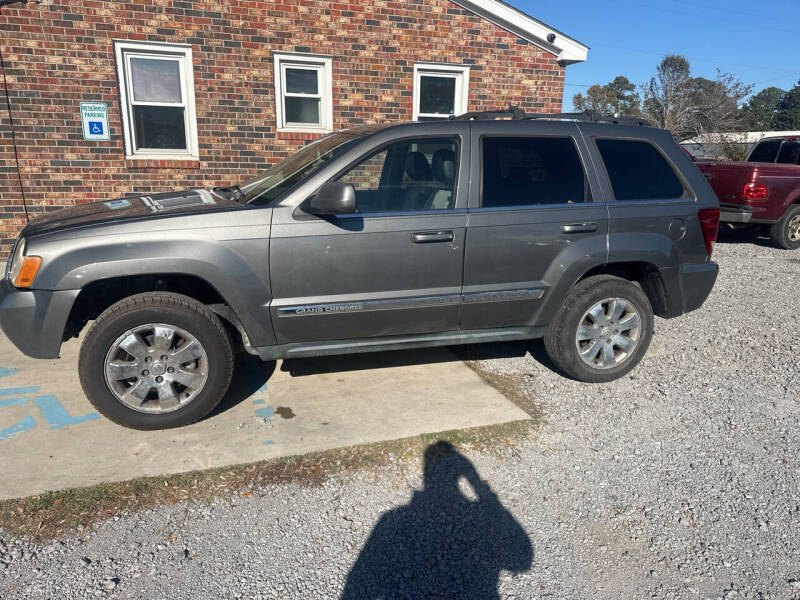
(282, 176)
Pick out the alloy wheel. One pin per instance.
(608, 333)
(156, 368)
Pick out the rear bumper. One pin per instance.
(697, 282)
(735, 214)
(688, 287)
(34, 320)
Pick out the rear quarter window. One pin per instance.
(638, 171)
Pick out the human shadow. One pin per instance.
(442, 544)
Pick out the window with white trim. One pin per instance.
(440, 91)
(157, 99)
(303, 93)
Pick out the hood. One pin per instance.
(129, 209)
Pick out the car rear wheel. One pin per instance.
(786, 232)
(602, 330)
(155, 361)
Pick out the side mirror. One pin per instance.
(333, 198)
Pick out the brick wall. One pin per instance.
(60, 52)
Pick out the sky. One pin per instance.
(756, 41)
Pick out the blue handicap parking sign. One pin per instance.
(96, 127)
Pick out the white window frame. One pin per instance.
(459, 73)
(323, 65)
(182, 53)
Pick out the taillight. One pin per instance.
(755, 191)
(709, 223)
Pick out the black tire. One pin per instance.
(142, 309)
(560, 337)
(780, 231)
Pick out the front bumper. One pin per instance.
(34, 320)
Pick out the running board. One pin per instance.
(311, 349)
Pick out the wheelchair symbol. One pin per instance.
(95, 128)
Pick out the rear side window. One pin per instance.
(525, 171)
(638, 171)
(765, 151)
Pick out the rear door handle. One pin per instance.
(579, 227)
(432, 237)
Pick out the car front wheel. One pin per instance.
(602, 330)
(156, 360)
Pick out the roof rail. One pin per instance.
(515, 113)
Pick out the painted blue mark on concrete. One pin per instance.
(263, 388)
(266, 413)
(259, 401)
(6, 371)
(269, 443)
(14, 402)
(57, 416)
(19, 391)
(27, 423)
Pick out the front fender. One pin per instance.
(233, 260)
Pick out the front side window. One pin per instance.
(157, 97)
(527, 171)
(440, 91)
(410, 175)
(303, 93)
(638, 171)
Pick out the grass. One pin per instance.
(53, 514)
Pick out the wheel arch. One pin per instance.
(646, 274)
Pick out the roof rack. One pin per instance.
(515, 113)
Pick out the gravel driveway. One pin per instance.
(680, 481)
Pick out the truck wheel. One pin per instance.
(156, 360)
(602, 330)
(786, 232)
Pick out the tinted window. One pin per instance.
(638, 171)
(765, 151)
(520, 171)
(789, 153)
(406, 176)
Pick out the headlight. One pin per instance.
(15, 263)
(22, 269)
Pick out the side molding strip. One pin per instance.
(401, 303)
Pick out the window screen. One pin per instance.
(520, 171)
(638, 171)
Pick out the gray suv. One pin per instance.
(475, 229)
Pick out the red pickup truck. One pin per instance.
(763, 190)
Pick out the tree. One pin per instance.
(690, 106)
(760, 111)
(788, 115)
(616, 98)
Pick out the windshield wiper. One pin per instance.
(233, 192)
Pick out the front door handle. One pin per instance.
(432, 237)
(579, 227)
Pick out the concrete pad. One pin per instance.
(51, 438)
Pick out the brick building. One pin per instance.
(201, 93)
